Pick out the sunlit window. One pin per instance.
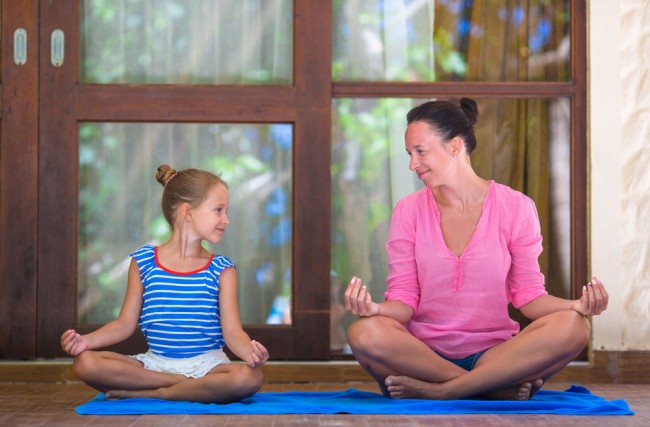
(119, 207)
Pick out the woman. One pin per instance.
(460, 250)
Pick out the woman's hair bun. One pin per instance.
(470, 109)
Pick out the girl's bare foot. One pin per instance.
(125, 394)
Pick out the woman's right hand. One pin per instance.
(358, 300)
(73, 343)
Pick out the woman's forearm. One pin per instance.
(545, 304)
(396, 310)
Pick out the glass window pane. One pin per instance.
(451, 40)
(187, 41)
(119, 207)
(369, 174)
(523, 143)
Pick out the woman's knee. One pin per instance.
(573, 327)
(369, 333)
(358, 331)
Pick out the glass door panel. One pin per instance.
(427, 41)
(187, 41)
(119, 207)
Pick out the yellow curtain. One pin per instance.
(513, 134)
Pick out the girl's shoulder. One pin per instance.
(146, 251)
(145, 257)
(221, 262)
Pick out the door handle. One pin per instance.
(57, 48)
(20, 46)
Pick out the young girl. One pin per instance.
(185, 301)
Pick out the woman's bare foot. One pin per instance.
(520, 392)
(537, 386)
(403, 387)
(523, 391)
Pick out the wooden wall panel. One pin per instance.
(18, 183)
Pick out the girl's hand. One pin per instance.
(594, 299)
(73, 343)
(358, 299)
(258, 355)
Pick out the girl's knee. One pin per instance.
(254, 380)
(84, 365)
(249, 380)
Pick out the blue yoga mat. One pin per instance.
(574, 401)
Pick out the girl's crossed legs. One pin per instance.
(405, 367)
(121, 376)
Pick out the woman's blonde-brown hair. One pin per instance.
(184, 186)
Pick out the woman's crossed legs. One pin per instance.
(405, 367)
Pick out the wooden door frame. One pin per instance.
(38, 180)
(18, 183)
(306, 104)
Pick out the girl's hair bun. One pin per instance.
(164, 174)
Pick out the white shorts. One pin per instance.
(191, 367)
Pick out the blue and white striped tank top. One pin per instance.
(180, 311)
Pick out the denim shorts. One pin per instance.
(467, 363)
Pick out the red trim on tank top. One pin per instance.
(180, 273)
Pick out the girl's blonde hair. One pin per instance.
(184, 186)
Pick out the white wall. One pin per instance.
(635, 155)
(619, 144)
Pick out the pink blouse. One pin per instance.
(461, 303)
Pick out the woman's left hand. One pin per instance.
(258, 355)
(594, 299)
